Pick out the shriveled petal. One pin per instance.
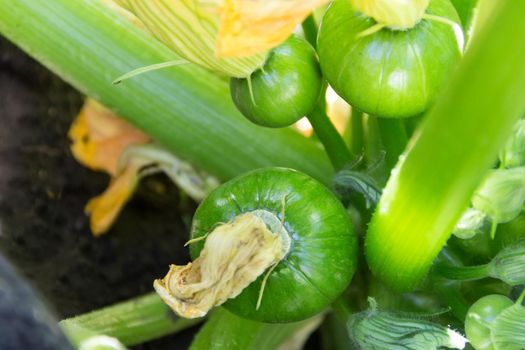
(252, 26)
(99, 137)
(105, 208)
(234, 255)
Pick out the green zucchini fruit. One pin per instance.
(390, 73)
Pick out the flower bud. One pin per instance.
(375, 330)
(470, 224)
(513, 154)
(509, 264)
(502, 194)
(507, 329)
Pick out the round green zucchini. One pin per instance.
(321, 259)
(481, 316)
(284, 90)
(390, 73)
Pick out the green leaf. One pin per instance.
(449, 155)
(465, 9)
(347, 182)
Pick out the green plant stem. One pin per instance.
(394, 139)
(450, 294)
(310, 30)
(373, 152)
(131, 322)
(341, 309)
(450, 154)
(225, 330)
(354, 132)
(463, 273)
(332, 141)
(186, 109)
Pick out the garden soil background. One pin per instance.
(43, 229)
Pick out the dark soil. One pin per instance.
(43, 229)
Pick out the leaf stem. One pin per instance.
(354, 133)
(332, 141)
(131, 322)
(456, 144)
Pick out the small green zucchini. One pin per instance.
(389, 72)
(284, 90)
(273, 245)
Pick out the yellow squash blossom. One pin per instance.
(252, 26)
(230, 37)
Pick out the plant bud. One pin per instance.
(502, 194)
(378, 330)
(507, 329)
(470, 224)
(509, 264)
(513, 154)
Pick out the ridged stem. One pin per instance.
(131, 322)
(332, 141)
(455, 146)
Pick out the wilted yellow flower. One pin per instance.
(104, 209)
(230, 37)
(99, 139)
(102, 141)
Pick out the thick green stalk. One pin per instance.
(131, 322)
(451, 152)
(185, 108)
(226, 331)
(332, 141)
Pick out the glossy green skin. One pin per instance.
(389, 73)
(488, 307)
(322, 257)
(285, 89)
